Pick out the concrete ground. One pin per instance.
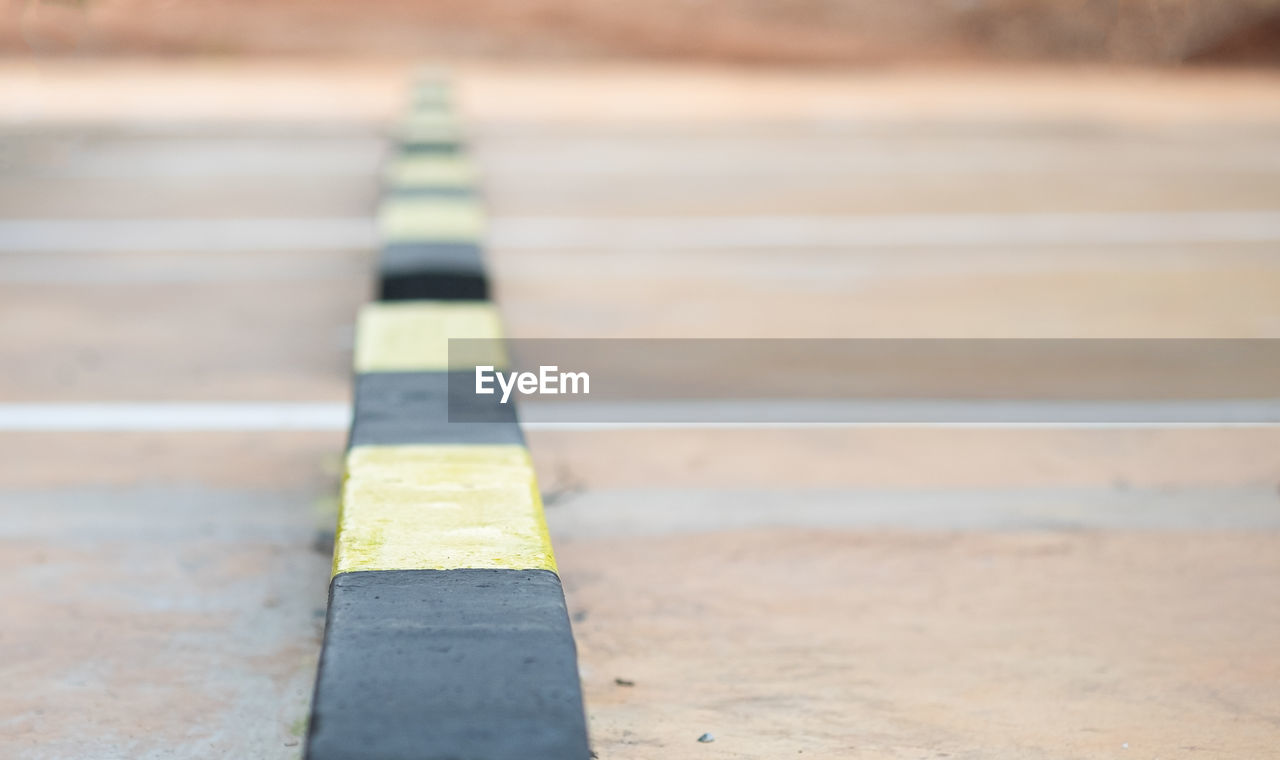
(860, 593)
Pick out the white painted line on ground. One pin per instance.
(180, 416)
(151, 269)
(135, 158)
(530, 161)
(186, 235)
(834, 231)
(329, 416)
(639, 512)
(895, 411)
(887, 230)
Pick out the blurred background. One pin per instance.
(187, 192)
(745, 31)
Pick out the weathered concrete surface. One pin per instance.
(907, 458)
(962, 593)
(176, 615)
(280, 461)
(188, 340)
(786, 643)
(1205, 299)
(882, 592)
(165, 592)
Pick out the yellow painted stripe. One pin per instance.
(430, 125)
(412, 336)
(431, 96)
(430, 220)
(431, 112)
(430, 78)
(441, 508)
(431, 171)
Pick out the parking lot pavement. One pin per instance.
(165, 592)
(900, 593)
(166, 589)
(872, 592)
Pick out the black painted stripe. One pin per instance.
(432, 271)
(412, 146)
(433, 286)
(448, 665)
(394, 408)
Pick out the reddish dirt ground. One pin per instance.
(812, 31)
